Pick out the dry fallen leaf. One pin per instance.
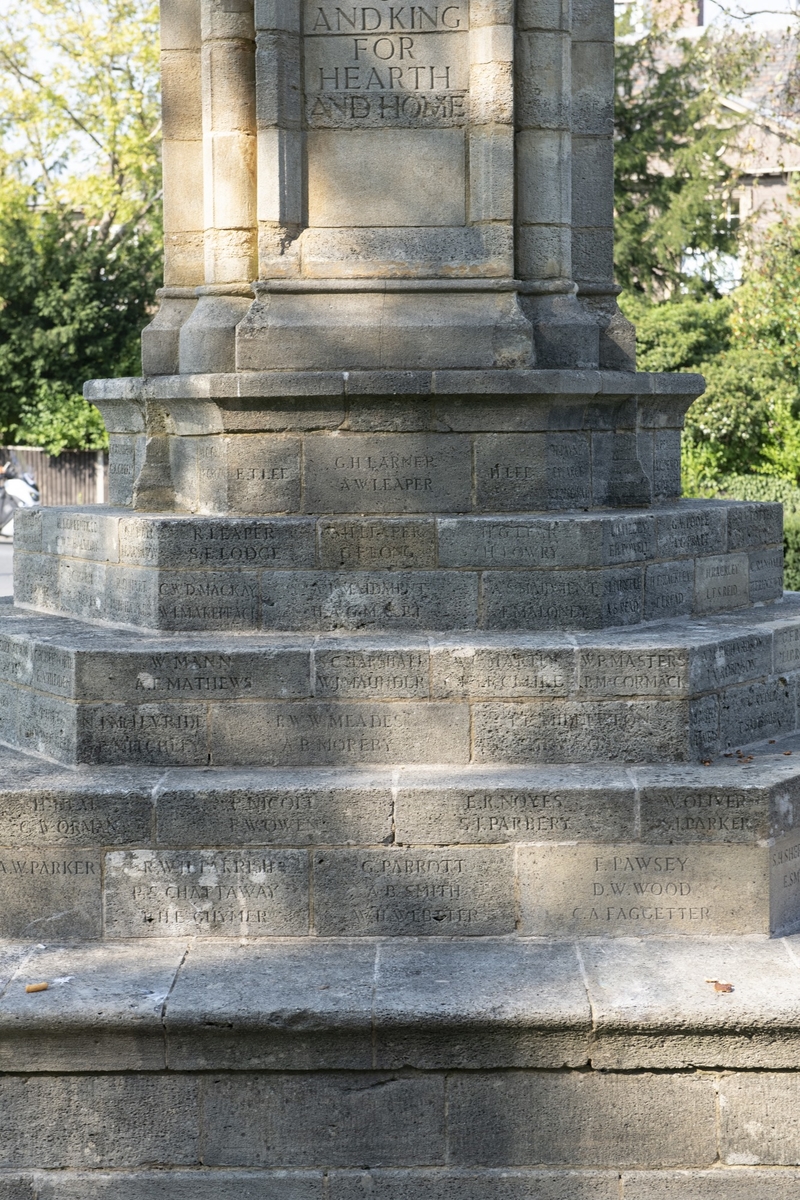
(787, 752)
(772, 741)
(719, 986)
(37, 987)
(706, 762)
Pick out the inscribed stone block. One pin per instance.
(387, 473)
(766, 574)
(206, 600)
(731, 660)
(614, 671)
(413, 892)
(370, 600)
(522, 471)
(490, 811)
(341, 1119)
(166, 673)
(79, 534)
(377, 543)
(668, 590)
(715, 813)
(721, 583)
(784, 868)
(51, 816)
(754, 712)
(352, 674)
(206, 893)
(502, 671)
(339, 734)
(638, 891)
(561, 599)
(786, 648)
(50, 892)
(690, 531)
(250, 812)
(752, 526)
(563, 731)
(517, 542)
(166, 735)
(263, 473)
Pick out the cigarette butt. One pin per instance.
(37, 987)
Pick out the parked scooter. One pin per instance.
(17, 490)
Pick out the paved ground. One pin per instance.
(6, 584)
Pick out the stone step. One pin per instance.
(431, 851)
(394, 441)
(333, 1069)
(573, 570)
(674, 690)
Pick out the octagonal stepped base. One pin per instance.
(401, 1069)
(419, 571)
(104, 853)
(670, 691)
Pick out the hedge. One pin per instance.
(765, 487)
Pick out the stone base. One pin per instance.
(590, 1070)
(394, 441)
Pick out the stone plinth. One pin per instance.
(400, 784)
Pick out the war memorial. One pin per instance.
(401, 782)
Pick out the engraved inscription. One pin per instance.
(426, 892)
(714, 815)
(151, 893)
(509, 814)
(475, 671)
(642, 890)
(386, 64)
(611, 672)
(358, 673)
(377, 544)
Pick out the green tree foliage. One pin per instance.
(79, 207)
(673, 185)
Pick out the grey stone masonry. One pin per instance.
(135, 851)
(422, 571)
(394, 441)
(658, 693)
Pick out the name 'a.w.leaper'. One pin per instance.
(399, 795)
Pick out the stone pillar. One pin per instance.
(229, 185)
(281, 203)
(182, 160)
(543, 122)
(592, 215)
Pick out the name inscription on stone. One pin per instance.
(403, 65)
(642, 890)
(151, 893)
(413, 892)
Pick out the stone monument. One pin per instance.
(400, 797)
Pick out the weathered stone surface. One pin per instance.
(51, 1120)
(416, 892)
(628, 890)
(370, 600)
(380, 1118)
(179, 1185)
(585, 1119)
(288, 810)
(339, 734)
(209, 893)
